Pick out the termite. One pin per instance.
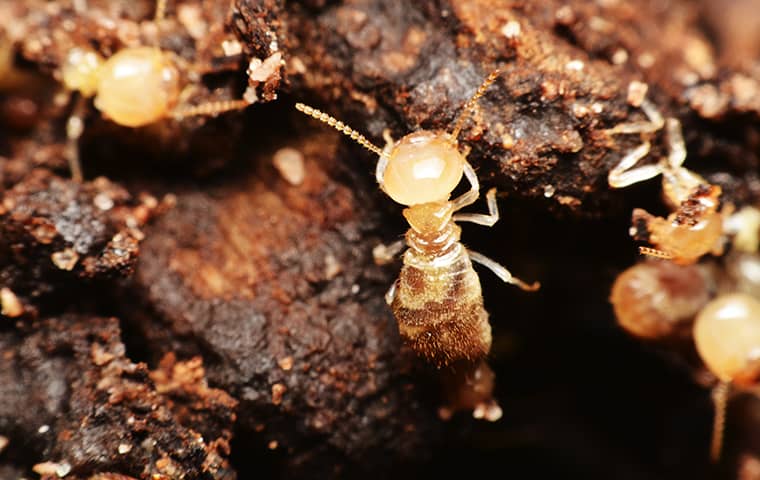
(437, 299)
(654, 300)
(727, 336)
(695, 226)
(135, 87)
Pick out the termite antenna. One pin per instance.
(160, 10)
(720, 399)
(341, 127)
(653, 252)
(469, 107)
(209, 109)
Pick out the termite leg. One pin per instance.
(623, 175)
(720, 400)
(471, 195)
(653, 252)
(502, 272)
(654, 123)
(384, 254)
(74, 129)
(488, 219)
(675, 142)
(390, 294)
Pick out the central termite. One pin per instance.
(437, 299)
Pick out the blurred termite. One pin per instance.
(654, 300)
(694, 227)
(437, 299)
(135, 87)
(727, 336)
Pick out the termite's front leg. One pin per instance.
(472, 194)
(488, 219)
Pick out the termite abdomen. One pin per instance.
(439, 309)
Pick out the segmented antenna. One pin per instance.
(720, 398)
(209, 109)
(653, 252)
(339, 126)
(469, 107)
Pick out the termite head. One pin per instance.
(423, 167)
(137, 86)
(693, 230)
(727, 336)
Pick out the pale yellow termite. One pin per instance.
(437, 299)
(134, 87)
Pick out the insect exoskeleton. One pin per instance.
(695, 226)
(134, 87)
(656, 299)
(437, 299)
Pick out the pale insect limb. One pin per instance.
(488, 219)
(677, 148)
(74, 130)
(720, 400)
(502, 272)
(653, 252)
(341, 127)
(390, 294)
(622, 175)
(209, 109)
(384, 254)
(470, 196)
(160, 10)
(656, 122)
(470, 105)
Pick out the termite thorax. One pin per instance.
(432, 230)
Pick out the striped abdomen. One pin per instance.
(438, 305)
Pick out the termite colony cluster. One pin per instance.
(698, 284)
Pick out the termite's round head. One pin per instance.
(423, 167)
(137, 86)
(727, 336)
